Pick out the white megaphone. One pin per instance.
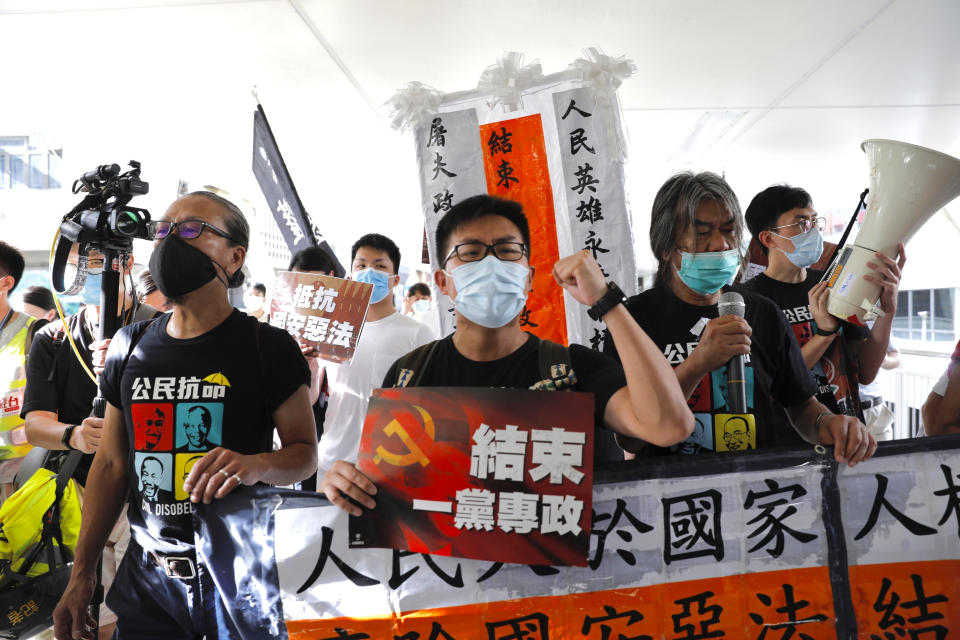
(908, 184)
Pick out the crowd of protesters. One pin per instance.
(188, 369)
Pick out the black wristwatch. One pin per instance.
(608, 301)
(65, 438)
(826, 334)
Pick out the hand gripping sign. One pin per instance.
(324, 312)
(493, 474)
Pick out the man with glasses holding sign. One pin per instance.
(840, 354)
(225, 381)
(486, 271)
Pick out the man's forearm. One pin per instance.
(689, 376)
(104, 496)
(804, 419)
(44, 430)
(874, 349)
(294, 462)
(651, 382)
(815, 348)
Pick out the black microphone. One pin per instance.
(731, 304)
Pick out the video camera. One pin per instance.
(102, 220)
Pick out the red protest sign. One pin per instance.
(492, 474)
(324, 312)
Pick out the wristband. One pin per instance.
(607, 301)
(816, 423)
(65, 438)
(821, 332)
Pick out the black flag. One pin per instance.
(281, 194)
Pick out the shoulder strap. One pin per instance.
(59, 337)
(32, 328)
(555, 367)
(411, 367)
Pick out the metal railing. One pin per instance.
(905, 391)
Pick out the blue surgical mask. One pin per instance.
(90, 294)
(807, 248)
(706, 273)
(379, 280)
(490, 292)
(421, 306)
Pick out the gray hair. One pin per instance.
(675, 208)
(236, 226)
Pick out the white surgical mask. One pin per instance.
(253, 303)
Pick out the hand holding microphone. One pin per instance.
(722, 339)
(731, 305)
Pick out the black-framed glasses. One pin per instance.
(805, 225)
(186, 229)
(475, 251)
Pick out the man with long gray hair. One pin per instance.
(696, 233)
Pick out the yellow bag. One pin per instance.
(30, 539)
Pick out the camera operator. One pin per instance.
(205, 377)
(59, 393)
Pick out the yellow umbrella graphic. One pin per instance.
(217, 378)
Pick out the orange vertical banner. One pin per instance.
(515, 161)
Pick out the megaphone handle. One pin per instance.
(846, 234)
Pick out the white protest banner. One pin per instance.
(552, 143)
(753, 545)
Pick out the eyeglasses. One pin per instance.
(475, 251)
(186, 229)
(805, 224)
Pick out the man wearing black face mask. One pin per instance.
(486, 272)
(247, 378)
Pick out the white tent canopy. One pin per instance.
(762, 91)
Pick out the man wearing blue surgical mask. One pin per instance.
(58, 397)
(840, 354)
(386, 335)
(695, 233)
(484, 244)
(59, 393)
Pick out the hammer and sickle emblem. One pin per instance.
(414, 454)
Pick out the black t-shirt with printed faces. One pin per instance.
(182, 398)
(774, 368)
(837, 373)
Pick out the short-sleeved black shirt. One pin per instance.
(837, 373)
(596, 374)
(774, 368)
(57, 382)
(181, 398)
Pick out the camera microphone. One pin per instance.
(101, 174)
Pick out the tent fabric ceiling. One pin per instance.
(168, 82)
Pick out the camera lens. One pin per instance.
(128, 224)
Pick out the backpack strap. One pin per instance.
(555, 367)
(59, 336)
(411, 367)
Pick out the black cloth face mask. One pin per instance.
(179, 268)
